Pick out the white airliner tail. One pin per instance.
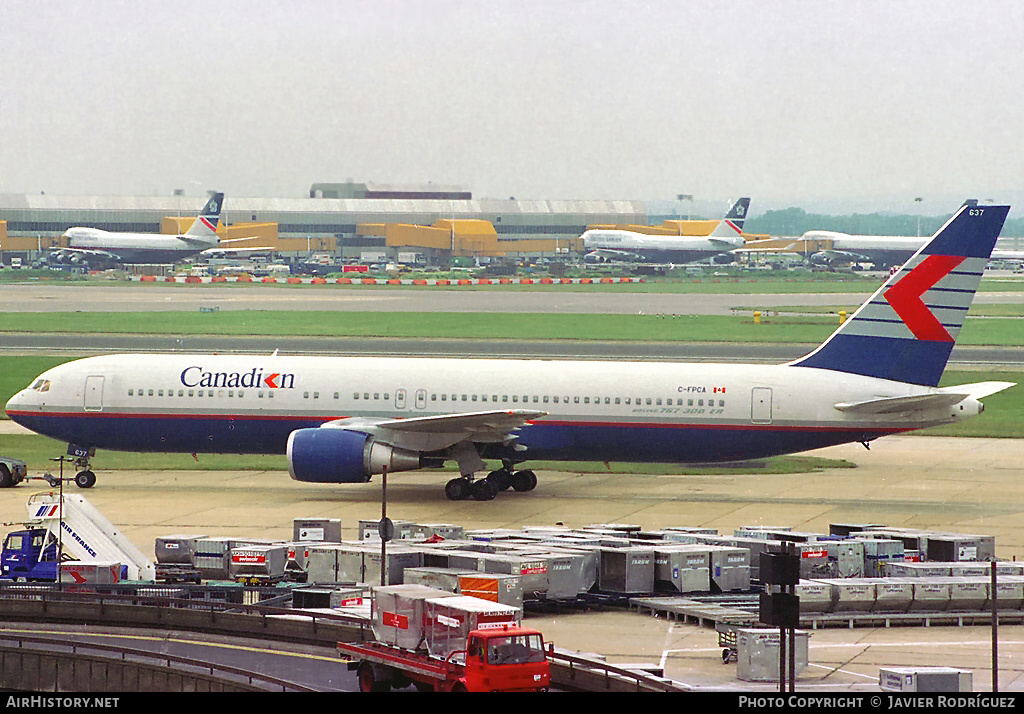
(732, 225)
(204, 229)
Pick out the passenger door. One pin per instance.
(761, 405)
(93, 393)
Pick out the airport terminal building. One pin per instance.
(336, 217)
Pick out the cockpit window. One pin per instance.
(41, 385)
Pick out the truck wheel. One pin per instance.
(369, 681)
(6, 480)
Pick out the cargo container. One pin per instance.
(924, 679)
(319, 530)
(682, 568)
(397, 614)
(626, 571)
(258, 564)
(90, 572)
(757, 654)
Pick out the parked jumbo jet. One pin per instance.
(618, 246)
(343, 419)
(93, 243)
(883, 251)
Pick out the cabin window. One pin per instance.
(545, 399)
(433, 397)
(131, 392)
(586, 400)
(336, 395)
(355, 395)
(575, 400)
(504, 397)
(316, 395)
(376, 395)
(515, 397)
(648, 401)
(464, 398)
(700, 402)
(444, 397)
(658, 401)
(387, 396)
(721, 402)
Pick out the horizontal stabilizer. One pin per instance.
(979, 390)
(891, 405)
(945, 397)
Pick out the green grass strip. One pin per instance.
(445, 325)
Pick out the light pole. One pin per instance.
(680, 197)
(918, 200)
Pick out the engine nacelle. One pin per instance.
(330, 455)
(723, 259)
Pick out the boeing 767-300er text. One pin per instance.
(343, 419)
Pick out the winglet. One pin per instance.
(906, 330)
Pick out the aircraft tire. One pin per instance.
(501, 478)
(85, 479)
(484, 490)
(523, 481)
(457, 489)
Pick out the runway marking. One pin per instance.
(176, 640)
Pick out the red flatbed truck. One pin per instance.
(497, 659)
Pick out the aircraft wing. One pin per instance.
(844, 255)
(608, 254)
(945, 397)
(431, 433)
(84, 252)
(238, 251)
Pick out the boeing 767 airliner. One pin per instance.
(343, 419)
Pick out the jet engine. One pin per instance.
(331, 455)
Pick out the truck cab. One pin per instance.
(26, 556)
(506, 659)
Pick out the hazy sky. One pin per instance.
(818, 104)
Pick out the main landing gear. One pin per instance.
(485, 489)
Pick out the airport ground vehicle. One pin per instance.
(508, 659)
(12, 471)
(58, 531)
(442, 642)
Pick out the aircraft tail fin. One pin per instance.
(906, 330)
(732, 225)
(205, 225)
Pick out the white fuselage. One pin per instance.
(137, 247)
(595, 410)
